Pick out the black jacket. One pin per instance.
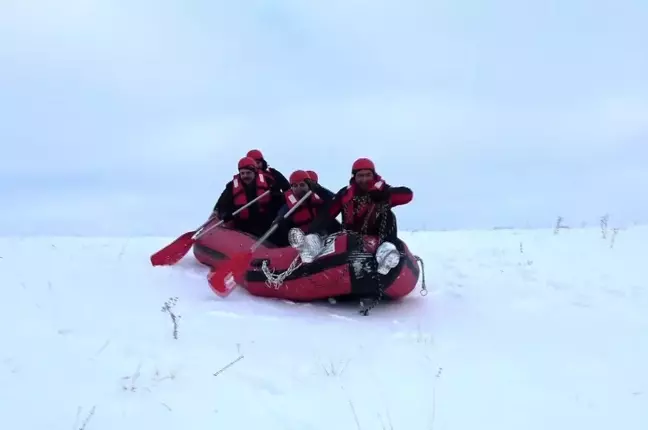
(259, 221)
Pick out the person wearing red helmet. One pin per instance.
(313, 182)
(366, 208)
(279, 180)
(247, 185)
(300, 184)
(313, 176)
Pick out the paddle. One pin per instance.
(222, 280)
(176, 250)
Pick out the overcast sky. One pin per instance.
(129, 116)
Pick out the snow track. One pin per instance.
(521, 330)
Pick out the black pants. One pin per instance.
(391, 228)
(388, 233)
(256, 227)
(333, 226)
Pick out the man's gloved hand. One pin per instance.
(275, 190)
(379, 196)
(312, 185)
(227, 217)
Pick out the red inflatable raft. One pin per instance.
(340, 270)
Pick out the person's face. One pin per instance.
(299, 189)
(364, 179)
(247, 176)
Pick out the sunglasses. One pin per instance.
(299, 185)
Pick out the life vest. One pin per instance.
(240, 198)
(306, 212)
(269, 176)
(351, 220)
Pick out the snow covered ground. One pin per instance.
(521, 330)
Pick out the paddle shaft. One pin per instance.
(200, 231)
(276, 224)
(222, 279)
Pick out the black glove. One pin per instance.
(275, 190)
(379, 196)
(227, 217)
(312, 185)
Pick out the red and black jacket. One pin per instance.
(353, 218)
(236, 195)
(277, 179)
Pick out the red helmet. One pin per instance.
(298, 176)
(255, 154)
(362, 164)
(313, 175)
(247, 163)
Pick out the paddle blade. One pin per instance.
(222, 279)
(173, 252)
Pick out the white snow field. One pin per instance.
(521, 330)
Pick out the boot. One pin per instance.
(308, 246)
(312, 247)
(296, 238)
(387, 257)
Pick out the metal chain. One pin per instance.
(424, 290)
(381, 212)
(275, 281)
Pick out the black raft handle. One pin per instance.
(258, 262)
